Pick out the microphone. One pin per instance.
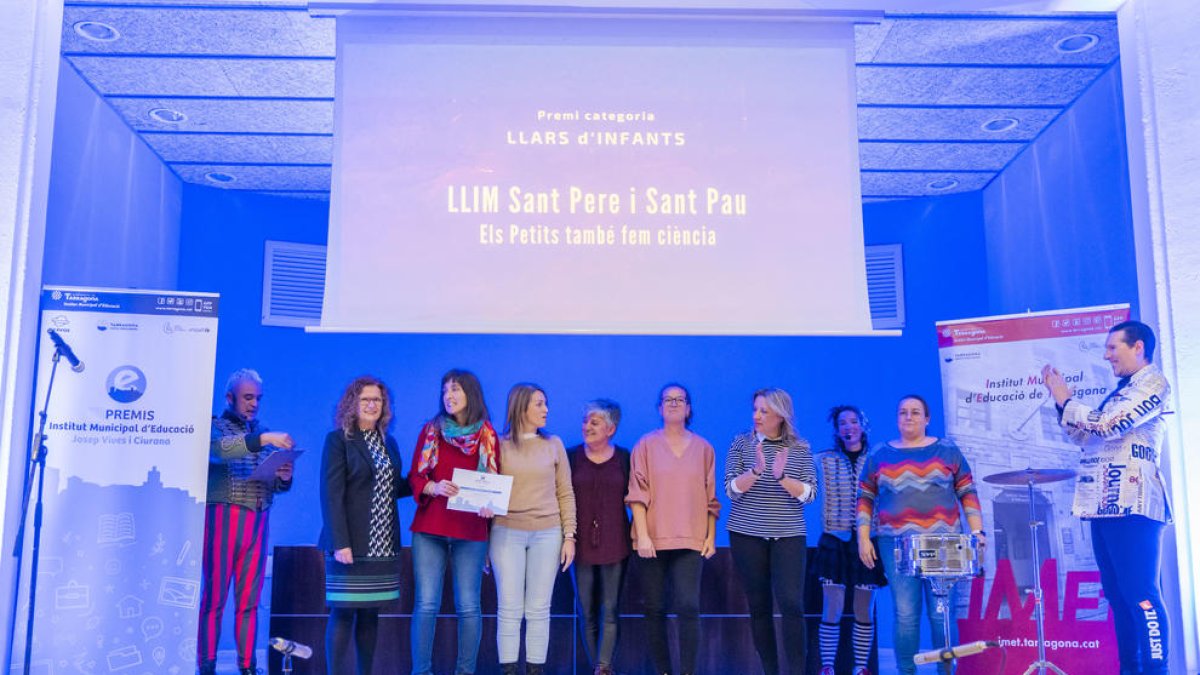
(65, 350)
(939, 655)
(289, 648)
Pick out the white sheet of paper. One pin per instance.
(265, 472)
(477, 489)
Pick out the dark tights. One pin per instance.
(364, 624)
(679, 570)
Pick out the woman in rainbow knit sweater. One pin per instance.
(914, 485)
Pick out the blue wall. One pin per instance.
(305, 373)
(1021, 243)
(114, 207)
(1058, 220)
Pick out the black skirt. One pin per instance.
(837, 562)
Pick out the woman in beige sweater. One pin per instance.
(672, 493)
(537, 537)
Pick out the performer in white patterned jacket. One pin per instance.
(1121, 491)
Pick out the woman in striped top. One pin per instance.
(914, 485)
(769, 477)
(837, 563)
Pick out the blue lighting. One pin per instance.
(167, 116)
(1073, 44)
(1000, 124)
(96, 31)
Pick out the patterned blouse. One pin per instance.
(839, 471)
(382, 541)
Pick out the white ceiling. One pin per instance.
(255, 80)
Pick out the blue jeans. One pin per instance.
(430, 553)
(525, 563)
(908, 593)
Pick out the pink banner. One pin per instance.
(998, 412)
(1033, 327)
(1077, 640)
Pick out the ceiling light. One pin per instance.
(942, 184)
(999, 124)
(167, 116)
(1073, 44)
(96, 31)
(219, 177)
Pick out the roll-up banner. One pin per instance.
(999, 413)
(118, 587)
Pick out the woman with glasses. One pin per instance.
(458, 437)
(361, 479)
(769, 477)
(536, 538)
(914, 485)
(672, 494)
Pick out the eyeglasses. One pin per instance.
(675, 400)
(376, 401)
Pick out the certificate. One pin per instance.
(477, 489)
(265, 471)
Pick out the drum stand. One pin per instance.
(1041, 665)
(941, 587)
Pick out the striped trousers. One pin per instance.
(235, 550)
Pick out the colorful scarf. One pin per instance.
(479, 436)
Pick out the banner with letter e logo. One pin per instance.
(1000, 414)
(127, 437)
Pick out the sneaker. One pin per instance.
(862, 671)
(826, 670)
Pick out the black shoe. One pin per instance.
(508, 669)
(207, 668)
(248, 671)
(535, 668)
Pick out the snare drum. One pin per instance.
(938, 555)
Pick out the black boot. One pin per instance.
(207, 668)
(508, 669)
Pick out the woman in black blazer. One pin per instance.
(361, 479)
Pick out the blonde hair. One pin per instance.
(519, 398)
(779, 402)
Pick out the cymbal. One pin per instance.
(1027, 476)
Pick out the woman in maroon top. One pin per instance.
(600, 476)
(459, 437)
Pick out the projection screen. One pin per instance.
(666, 175)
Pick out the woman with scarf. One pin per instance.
(460, 436)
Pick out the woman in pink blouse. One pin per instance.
(672, 493)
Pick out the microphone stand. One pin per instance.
(36, 467)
